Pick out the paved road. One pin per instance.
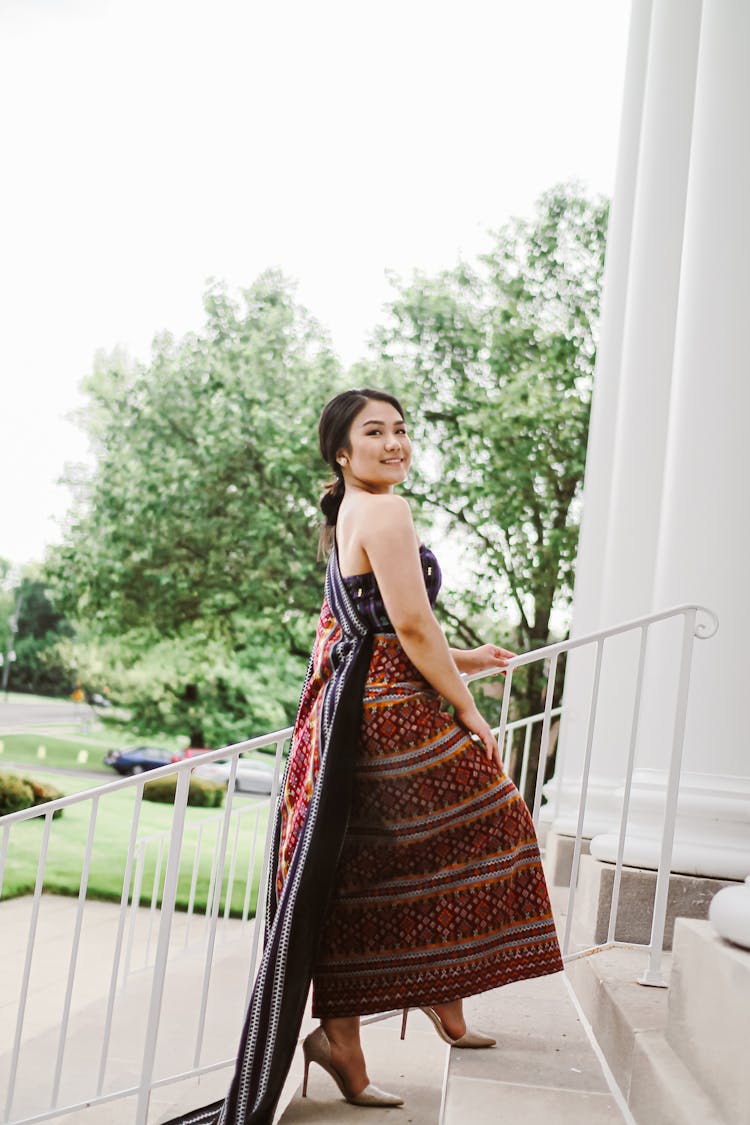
(17, 716)
(42, 767)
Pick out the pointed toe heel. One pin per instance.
(317, 1049)
(471, 1040)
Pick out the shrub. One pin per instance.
(203, 793)
(44, 792)
(16, 793)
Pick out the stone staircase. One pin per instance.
(544, 1068)
(679, 1056)
(671, 1056)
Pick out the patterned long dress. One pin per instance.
(439, 892)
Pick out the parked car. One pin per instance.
(252, 776)
(191, 752)
(136, 759)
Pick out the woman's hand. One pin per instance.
(480, 729)
(480, 659)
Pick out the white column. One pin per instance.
(704, 539)
(627, 458)
(598, 478)
(563, 788)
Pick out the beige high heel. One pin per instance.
(470, 1039)
(316, 1048)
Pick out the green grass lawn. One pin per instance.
(68, 841)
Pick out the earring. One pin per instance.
(342, 460)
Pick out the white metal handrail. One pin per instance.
(169, 845)
(94, 798)
(692, 629)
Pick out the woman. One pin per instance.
(408, 872)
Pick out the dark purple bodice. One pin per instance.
(364, 591)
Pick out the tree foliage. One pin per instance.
(40, 625)
(203, 499)
(193, 541)
(497, 361)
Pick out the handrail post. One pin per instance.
(162, 948)
(653, 975)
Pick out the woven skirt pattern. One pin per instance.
(440, 892)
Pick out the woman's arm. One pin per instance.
(387, 535)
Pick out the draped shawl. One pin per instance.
(300, 885)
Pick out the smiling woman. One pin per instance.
(407, 872)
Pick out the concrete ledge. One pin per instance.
(678, 1055)
(709, 1020)
(618, 1009)
(689, 897)
(663, 1090)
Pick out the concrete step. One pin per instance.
(414, 1069)
(544, 1067)
(708, 1024)
(678, 1055)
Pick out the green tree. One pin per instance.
(496, 362)
(39, 626)
(199, 516)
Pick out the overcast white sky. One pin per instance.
(148, 145)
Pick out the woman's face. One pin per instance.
(379, 453)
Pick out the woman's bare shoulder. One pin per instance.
(374, 511)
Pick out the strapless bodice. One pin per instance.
(364, 591)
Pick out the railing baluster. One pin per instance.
(135, 902)
(118, 939)
(30, 942)
(212, 879)
(232, 868)
(3, 855)
(73, 963)
(154, 898)
(584, 793)
(221, 852)
(629, 768)
(507, 688)
(251, 866)
(162, 948)
(194, 883)
(525, 758)
(507, 750)
(653, 974)
(544, 744)
(260, 904)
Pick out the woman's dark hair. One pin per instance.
(333, 432)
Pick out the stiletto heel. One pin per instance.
(470, 1039)
(403, 1023)
(316, 1048)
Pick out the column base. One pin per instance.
(712, 830)
(688, 897)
